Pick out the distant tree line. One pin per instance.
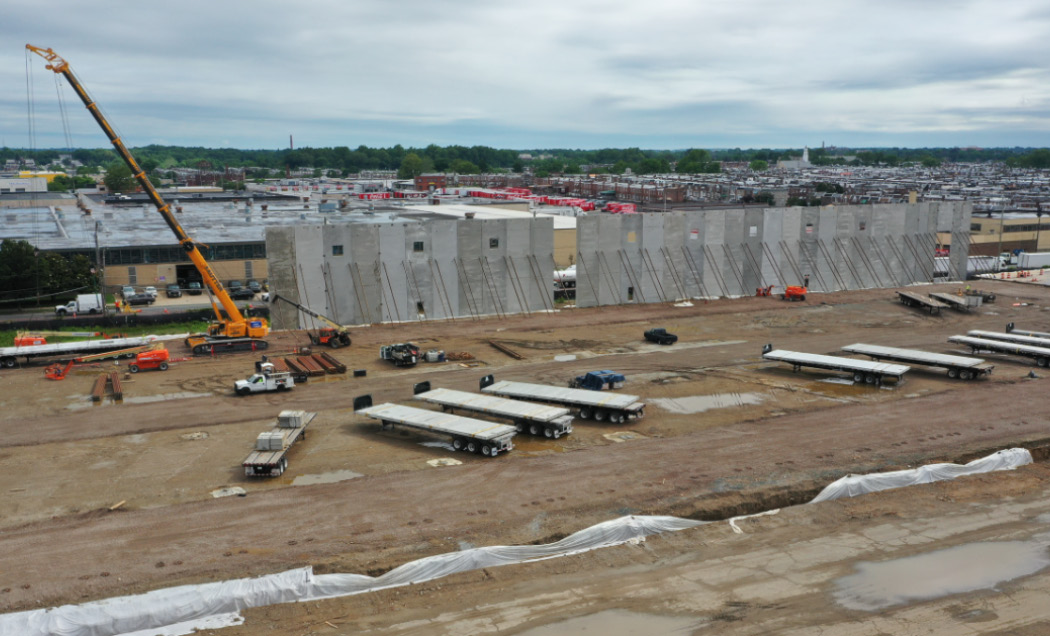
(29, 276)
(409, 162)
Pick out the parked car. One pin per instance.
(242, 293)
(194, 289)
(659, 335)
(127, 290)
(173, 291)
(151, 290)
(255, 286)
(139, 299)
(234, 284)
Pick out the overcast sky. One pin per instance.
(537, 74)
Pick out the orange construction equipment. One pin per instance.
(764, 291)
(157, 359)
(57, 371)
(153, 357)
(794, 292)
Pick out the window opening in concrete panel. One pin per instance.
(493, 243)
(419, 308)
(417, 246)
(337, 250)
(752, 231)
(632, 238)
(630, 293)
(809, 228)
(863, 225)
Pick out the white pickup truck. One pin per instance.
(267, 379)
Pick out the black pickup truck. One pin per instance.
(659, 335)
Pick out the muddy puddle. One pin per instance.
(325, 478)
(701, 403)
(619, 623)
(965, 568)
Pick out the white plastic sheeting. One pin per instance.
(853, 485)
(180, 610)
(199, 606)
(149, 613)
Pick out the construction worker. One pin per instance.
(805, 281)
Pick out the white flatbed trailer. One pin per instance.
(1024, 332)
(537, 419)
(1009, 337)
(961, 367)
(600, 405)
(862, 370)
(956, 302)
(488, 438)
(910, 299)
(9, 355)
(1040, 354)
(273, 461)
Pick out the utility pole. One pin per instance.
(101, 268)
(1038, 222)
(1002, 213)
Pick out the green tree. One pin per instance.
(411, 166)
(19, 266)
(61, 183)
(118, 178)
(758, 165)
(462, 166)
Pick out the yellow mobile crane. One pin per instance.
(229, 333)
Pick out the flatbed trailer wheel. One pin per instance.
(457, 443)
(966, 374)
(585, 413)
(472, 446)
(953, 373)
(1041, 362)
(870, 378)
(486, 450)
(600, 415)
(858, 376)
(534, 429)
(548, 432)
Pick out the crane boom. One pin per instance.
(336, 336)
(234, 325)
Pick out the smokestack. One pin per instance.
(291, 146)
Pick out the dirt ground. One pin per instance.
(769, 438)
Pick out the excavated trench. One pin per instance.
(727, 505)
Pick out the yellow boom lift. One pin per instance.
(231, 332)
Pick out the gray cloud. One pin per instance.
(668, 73)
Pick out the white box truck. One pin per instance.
(84, 304)
(1033, 260)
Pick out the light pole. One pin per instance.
(1038, 225)
(36, 270)
(1002, 213)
